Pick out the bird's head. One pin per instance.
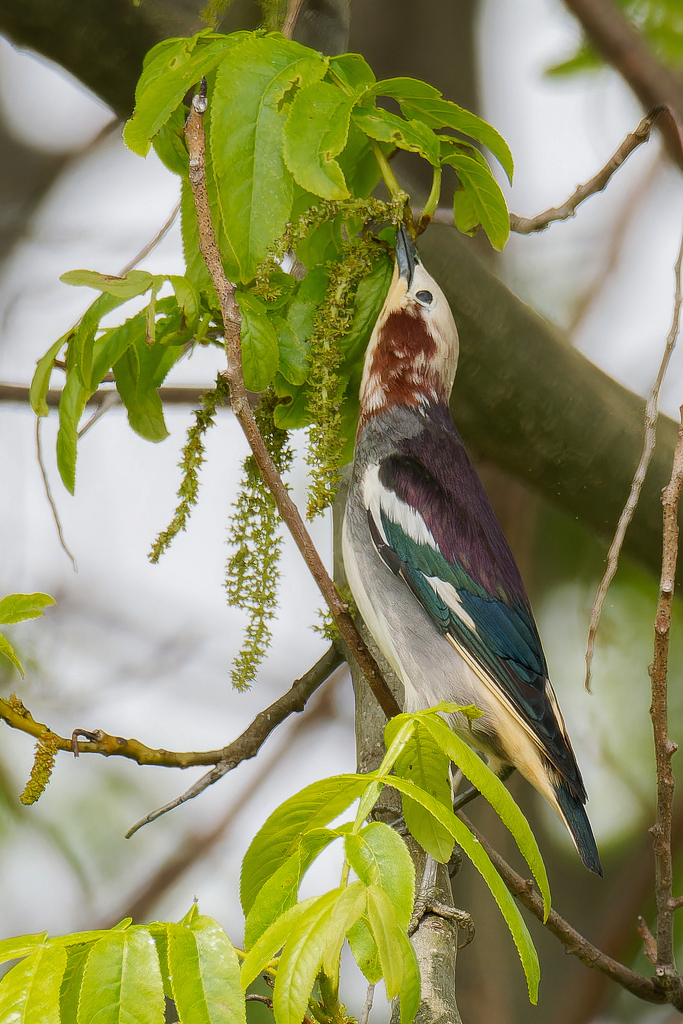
(413, 351)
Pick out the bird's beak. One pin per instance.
(406, 255)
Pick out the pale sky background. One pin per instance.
(144, 650)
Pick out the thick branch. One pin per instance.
(648, 989)
(194, 133)
(247, 745)
(664, 748)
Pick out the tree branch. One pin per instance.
(599, 181)
(197, 845)
(194, 133)
(648, 989)
(664, 749)
(247, 745)
(619, 43)
(649, 441)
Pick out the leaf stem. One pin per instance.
(388, 176)
(432, 201)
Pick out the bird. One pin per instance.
(428, 564)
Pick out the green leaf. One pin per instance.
(293, 414)
(188, 300)
(205, 974)
(169, 144)
(314, 807)
(22, 945)
(365, 952)
(260, 352)
(424, 763)
(41, 378)
(171, 69)
(490, 786)
(113, 344)
(280, 891)
(29, 992)
(353, 69)
(254, 85)
(76, 959)
(9, 652)
(294, 352)
(81, 349)
(387, 127)
(480, 859)
(18, 607)
(386, 931)
(345, 912)
(272, 940)
(359, 164)
(315, 133)
(134, 283)
(380, 857)
(136, 381)
(303, 954)
(71, 405)
(410, 984)
(479, 200)
(122, 980)
(417, 99)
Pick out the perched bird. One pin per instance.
(429, 566)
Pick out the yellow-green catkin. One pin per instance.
(43, 763)
(252, 570)
(333, 321)
(190, 463)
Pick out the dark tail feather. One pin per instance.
(576, 820)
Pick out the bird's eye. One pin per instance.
(424, 297)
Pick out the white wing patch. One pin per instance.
(378, 499)
(449, 595)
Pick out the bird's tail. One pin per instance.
(576, 820)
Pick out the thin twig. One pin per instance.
(367, 1005)
(290, 21)
(168, 395)
(247, 745)
(648, 989)
(195, 846)
(664, 749)
(649, 441)
(159, 237)
(111, 399)
(194, 133)
(46, 484)
(253, 997)
(599, 181)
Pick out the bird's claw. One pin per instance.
(424, 904)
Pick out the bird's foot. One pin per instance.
(425, 904)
